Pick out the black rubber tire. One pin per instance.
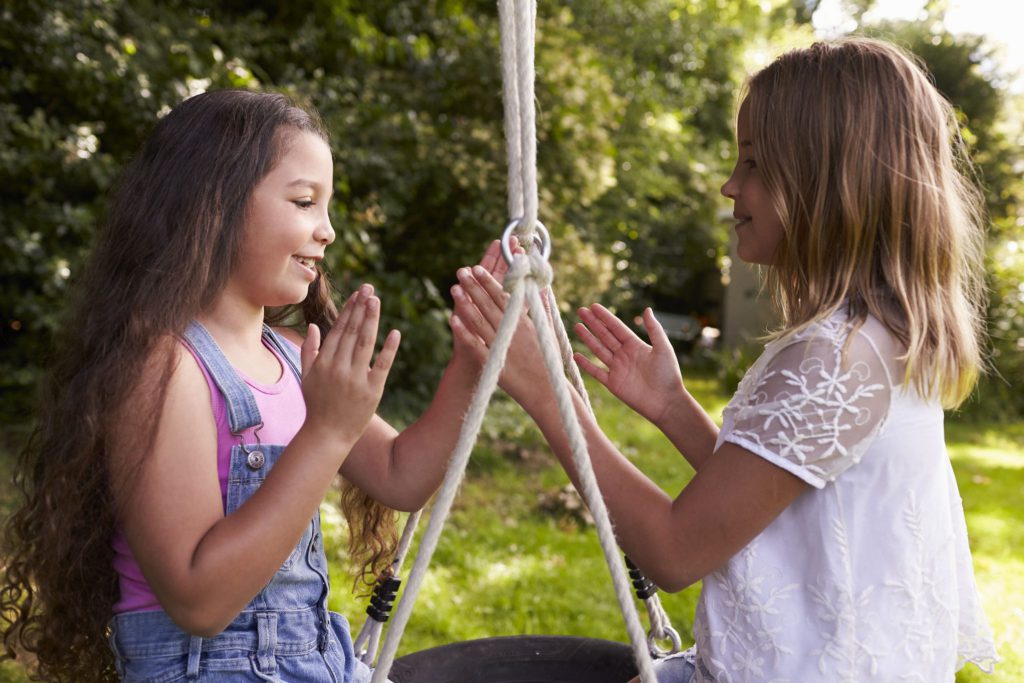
(519, 659)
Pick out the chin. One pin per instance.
(289, 299)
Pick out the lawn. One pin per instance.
(513, 560)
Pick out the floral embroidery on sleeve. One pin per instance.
(811, 408)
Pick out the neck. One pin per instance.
(234, 323)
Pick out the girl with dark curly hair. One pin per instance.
(170, 526)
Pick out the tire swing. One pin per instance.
(519, 659)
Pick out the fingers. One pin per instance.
(616, 328)
(655, 332)
(490, 285)
(501, 268)
(492, 257)
(469, 317)
(366, 334)
(594, 344)
(349, 333)
(589, 367)
(485, 294)
(329, 347)
(601, 338)
(494, 262)
(465, 336)
(310, 348)
(385, 359)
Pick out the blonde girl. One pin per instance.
(170, 528)
(823, 518)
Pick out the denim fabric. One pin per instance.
(286, 633)
(677, 668)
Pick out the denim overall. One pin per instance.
(285, 634)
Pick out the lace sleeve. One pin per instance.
(813, 410)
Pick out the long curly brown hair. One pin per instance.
(163, 253)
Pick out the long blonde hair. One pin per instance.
(863, 159)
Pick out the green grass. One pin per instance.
(507, 564)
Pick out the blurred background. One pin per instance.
(636, 101)
(635, 108)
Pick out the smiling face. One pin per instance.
(288, 227)
(758, 226)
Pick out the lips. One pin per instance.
(308, 264)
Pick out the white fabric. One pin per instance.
(867, 576)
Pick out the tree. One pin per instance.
(634, 106)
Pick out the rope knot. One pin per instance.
(533, 266)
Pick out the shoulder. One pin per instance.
(840, 343)
(171, 390)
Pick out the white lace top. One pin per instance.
(867, 576)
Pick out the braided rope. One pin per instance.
(368, 640)
(456, 468)
(529, 275)
(518, 22)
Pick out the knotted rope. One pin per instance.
(526, 281)
(368, 640)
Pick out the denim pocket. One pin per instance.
(152, 669)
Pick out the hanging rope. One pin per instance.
(456, 467)
(368, 640)
(518, 21)
(529, 276)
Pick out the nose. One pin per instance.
(324, 232)
(729, 188)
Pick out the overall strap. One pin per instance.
(284, 350)
(239, 402)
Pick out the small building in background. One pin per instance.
(747, 313)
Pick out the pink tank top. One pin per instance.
(283, 411)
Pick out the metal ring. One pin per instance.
(541, 239)
(657, 650)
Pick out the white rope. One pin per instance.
(456, 467)
(518, 18)
(518, 22)
(528, 275)
(368, 640)
(588, 482)
(565, 347)
(518, 27)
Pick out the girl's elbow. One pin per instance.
(676, 583)
(673, 582)
(199, 617)
(672, 577)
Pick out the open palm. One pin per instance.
(645, 377)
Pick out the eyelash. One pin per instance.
(304, 203)
(750, 163)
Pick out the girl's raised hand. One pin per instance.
(644, 377)
(465, 340)
(479, 307)
(341, 387)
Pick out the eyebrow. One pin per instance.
(302, 182)
(746, 143)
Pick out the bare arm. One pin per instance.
(402, 470)
(646, 377)
(733, 497)
(677, 542)
(203, 566)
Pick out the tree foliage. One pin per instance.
(634, 105)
